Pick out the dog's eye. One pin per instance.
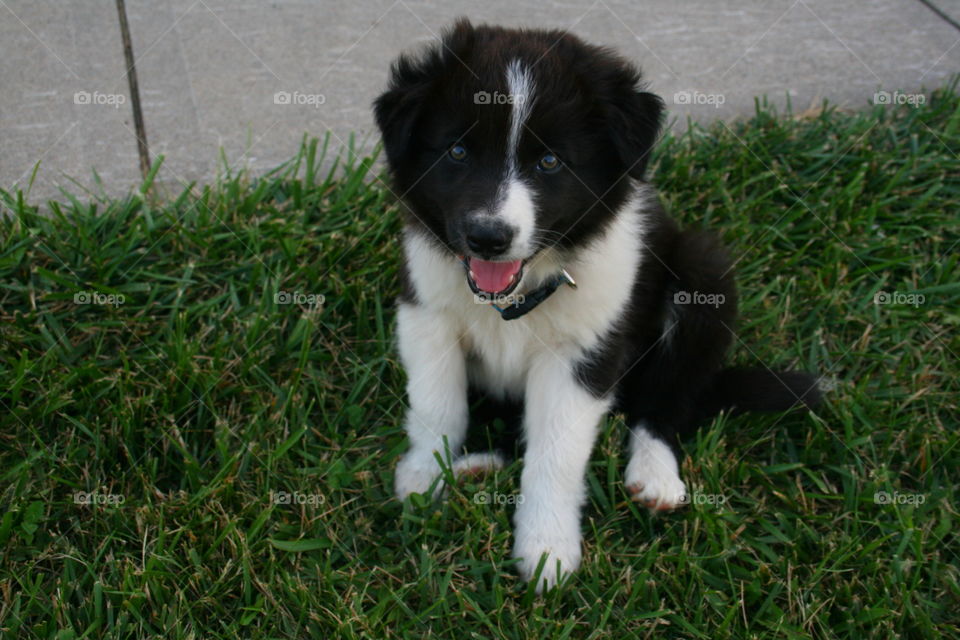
(548, 163)
(458, 152)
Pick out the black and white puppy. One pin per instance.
(541, 272)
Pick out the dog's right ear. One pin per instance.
(411, 78)
(398, 108)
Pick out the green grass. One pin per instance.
(199, 395)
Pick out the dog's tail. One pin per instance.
(762, 390)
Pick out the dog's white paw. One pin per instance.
(562, 550)
(653, 476)
(660, 492)
(415, 472)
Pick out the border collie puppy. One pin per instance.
(542, 275)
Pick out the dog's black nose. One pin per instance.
(488, 238)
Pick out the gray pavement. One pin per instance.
(253, 77)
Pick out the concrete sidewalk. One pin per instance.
(253, 77)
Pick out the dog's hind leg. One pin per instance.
(664, 392)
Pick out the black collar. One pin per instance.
(524, 304)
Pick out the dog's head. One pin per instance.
(505, 142)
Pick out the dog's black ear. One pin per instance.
(633, 116)
(397, 109)
(411, 76)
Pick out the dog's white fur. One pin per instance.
(515, 206)
(652, 475)
(535, 357)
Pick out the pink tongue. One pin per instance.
(493, 277)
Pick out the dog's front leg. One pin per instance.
(560, 424)
(433, 357)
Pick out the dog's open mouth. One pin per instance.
(492, 278)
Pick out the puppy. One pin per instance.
(541, 273)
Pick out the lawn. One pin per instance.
(201, 403)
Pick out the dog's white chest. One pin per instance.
(500, 351)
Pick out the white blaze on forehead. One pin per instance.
(515, 199)
(520, 88)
